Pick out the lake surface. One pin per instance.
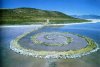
(12, 59)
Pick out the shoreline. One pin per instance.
(43, 25)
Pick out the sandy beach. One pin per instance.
(92, 21)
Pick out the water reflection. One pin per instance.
(12, 59)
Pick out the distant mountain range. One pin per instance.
(34, 16)
(87, 16)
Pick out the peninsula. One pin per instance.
(35, 16)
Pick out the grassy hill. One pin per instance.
(34, 16)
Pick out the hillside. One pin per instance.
(34, 16)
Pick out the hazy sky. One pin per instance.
(72, 7)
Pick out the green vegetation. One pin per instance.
(34, 16)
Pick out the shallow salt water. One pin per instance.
(12, 59)
(26, 41)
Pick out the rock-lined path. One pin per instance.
(79, 46)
